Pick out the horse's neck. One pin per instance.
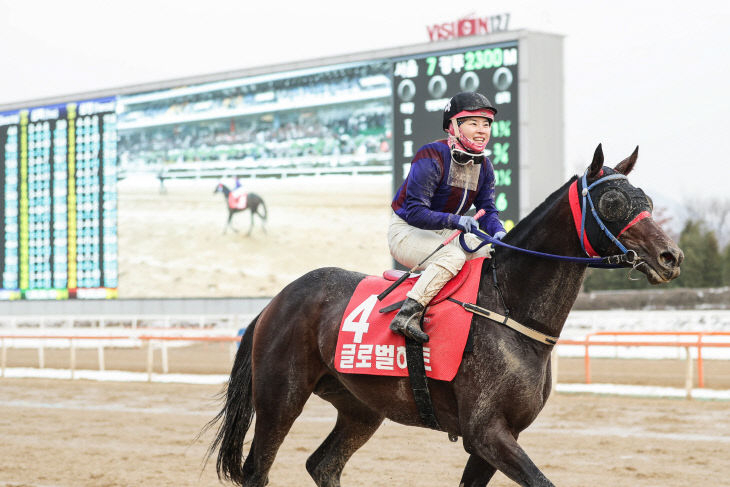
(540, 292)
(225, 191)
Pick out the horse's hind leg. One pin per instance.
(355, 425)
(262, 215)
(477, 473)
(279, 394)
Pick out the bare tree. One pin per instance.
(715, 213)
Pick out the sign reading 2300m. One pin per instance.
(424, 84)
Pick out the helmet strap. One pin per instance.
(455, 126)
(457, 136)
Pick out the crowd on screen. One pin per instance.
(360, 128)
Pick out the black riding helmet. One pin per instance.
(465, 101)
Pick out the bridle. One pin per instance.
(628, 258)
(579, 213)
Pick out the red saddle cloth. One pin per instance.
(366, 345)
(237, 199)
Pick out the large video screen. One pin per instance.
(313, 145)
(236, 187)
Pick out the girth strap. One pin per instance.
(525, 330)
(419, 383)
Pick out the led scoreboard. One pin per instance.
(423, 84)
(58, 174)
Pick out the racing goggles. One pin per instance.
(463, 157)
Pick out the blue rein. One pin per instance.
(608, 262)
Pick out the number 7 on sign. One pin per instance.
(357, 320)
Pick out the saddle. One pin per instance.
(366, 345)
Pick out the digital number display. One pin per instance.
(423, 85)
(58, 171)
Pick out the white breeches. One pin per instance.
(410, 245)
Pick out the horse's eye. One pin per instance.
(614, 205)
(651, 203)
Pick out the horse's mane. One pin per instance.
(537, 215)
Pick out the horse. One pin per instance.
(288, 352)
(253, 202)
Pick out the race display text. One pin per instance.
(58, 173)
(423, 85)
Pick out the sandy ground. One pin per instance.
(79, 433)
(172, 244)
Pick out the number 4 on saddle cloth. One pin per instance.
(366, 345)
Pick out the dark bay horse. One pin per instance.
(254, 203)
(288, 352)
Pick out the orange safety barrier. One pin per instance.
(192, 338)
(699, 344)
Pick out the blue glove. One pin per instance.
(499, 235)
(467, 224)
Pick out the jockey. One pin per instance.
(446, 177)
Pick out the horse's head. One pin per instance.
(612, 214)
(219, 188)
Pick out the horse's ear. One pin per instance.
(597, 163)
(625, 167)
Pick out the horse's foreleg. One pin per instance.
(229, 223)
(477, 473)
(499, 448)
(355, 425)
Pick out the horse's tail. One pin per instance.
(236, 415)
(263, 206)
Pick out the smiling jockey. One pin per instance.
(446, 177)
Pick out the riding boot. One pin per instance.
(408, 321)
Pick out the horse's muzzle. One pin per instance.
(669, 261)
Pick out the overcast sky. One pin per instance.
(647, 73)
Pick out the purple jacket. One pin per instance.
(433, 198)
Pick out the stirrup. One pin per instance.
(407, 321)
(415, 333)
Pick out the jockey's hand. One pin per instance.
(467, 224)
(499, 235)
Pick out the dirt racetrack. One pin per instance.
(65, 433)
(62, 433)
